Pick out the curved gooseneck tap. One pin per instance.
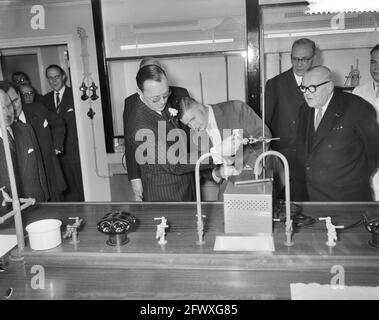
(288, 241)
(200, 223)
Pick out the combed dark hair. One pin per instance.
(20, 73)
(376, 48)
(5, 86)
(56, 67)
(149, 72)
(305, 41)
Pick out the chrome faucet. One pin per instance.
(200, 223)
(72, 230)
(289, 228)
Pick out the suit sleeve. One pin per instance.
(185, 161)
(368, 129)
(270, 101)
(134, 171)
(58, 129)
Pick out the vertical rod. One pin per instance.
(227, 77)
(201, 88)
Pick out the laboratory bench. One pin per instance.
(182, 269)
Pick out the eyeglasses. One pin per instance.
(158, 98)
(12, 103)
(302, 60)
(57, 77)
(28, 93)
(20, 81)
(312, 88)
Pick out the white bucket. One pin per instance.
(44, 234)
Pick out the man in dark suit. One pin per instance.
(162, 179)
(26, 157)
(222, 120)
(131, 103)
(47, 125)
(61, 101)
(283, 99)
(337, 143)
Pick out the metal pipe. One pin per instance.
(287, 187)
(10, 214)
(200, 223)
(201, 88)
(12, 180)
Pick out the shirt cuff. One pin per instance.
(215, 178)
(137, 179)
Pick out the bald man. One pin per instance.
(337, 143)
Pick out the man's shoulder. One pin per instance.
(133, 98)
(282, 77)
(362, 88)
(230, 106)
(35, 107)
(48, 95)
(354, 103)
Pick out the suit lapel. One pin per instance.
(331, 117)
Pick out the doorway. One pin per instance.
(33, 61)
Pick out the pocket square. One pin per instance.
(45, 123)
(30, 151)
(70, 110)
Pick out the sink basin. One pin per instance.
(244, 243)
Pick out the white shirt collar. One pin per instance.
(214, 134)
(10, 131)
(22, 117)
(298, 79)
(212, 124)
(324, 107)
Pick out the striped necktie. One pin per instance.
(318, 118)
(58, 99)
(11, 141)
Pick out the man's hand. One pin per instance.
(230, 145)
(224, 171)
(137, 189)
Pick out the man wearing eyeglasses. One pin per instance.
(148, 129)
(370, 92)
(26, 158)
(283, 99)
(337, 143)
(60, 100)
(131, 104)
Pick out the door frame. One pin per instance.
(68, 40)
(28, 50)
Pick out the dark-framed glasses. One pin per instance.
(312, 88)
(158, 98)
(28, 93)
(302, 60)
(57, 77)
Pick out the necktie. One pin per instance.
(11, 141)
(318, 118)
(377, 90)
(58, 100)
